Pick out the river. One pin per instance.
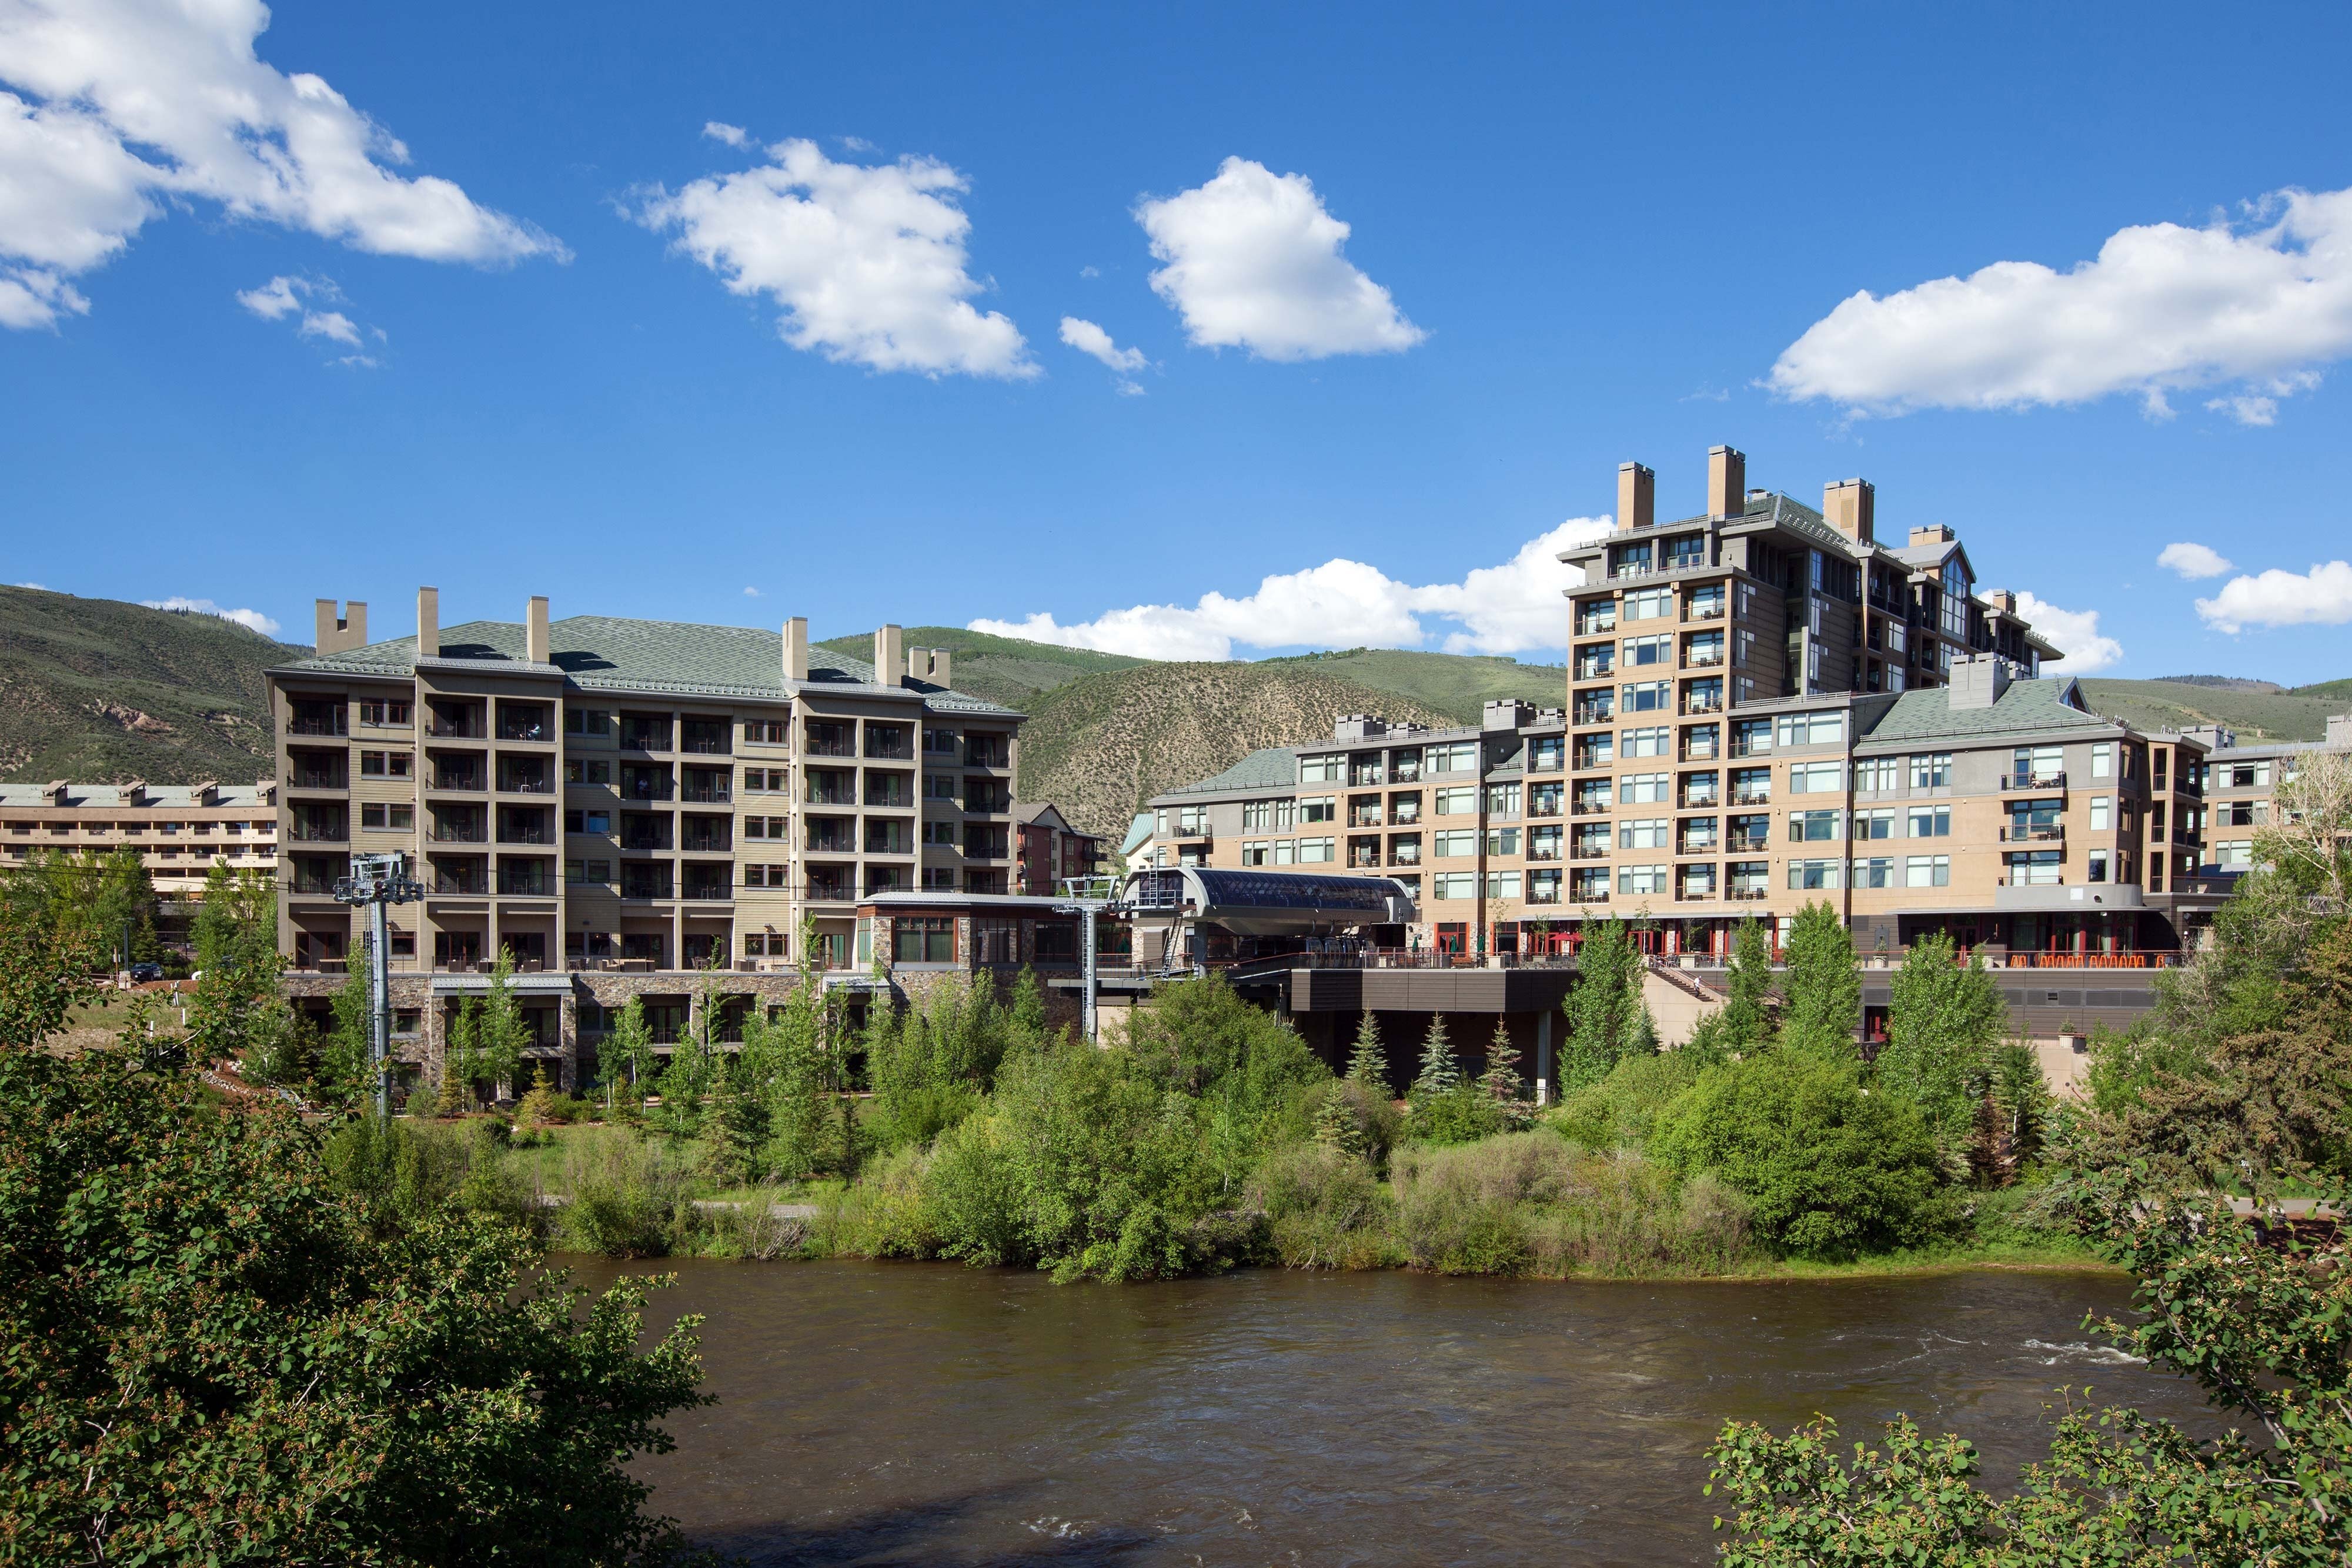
(929, 1414)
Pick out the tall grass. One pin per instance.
(630, 1196)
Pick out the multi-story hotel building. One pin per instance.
(180, 831)
(1766, 707)
(2240, 783)
(612, 801)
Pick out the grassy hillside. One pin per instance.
(2277, 715)
(1456, 685)
(1101, 745)
(98, 690)
(1001, 669)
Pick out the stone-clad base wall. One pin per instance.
(570, 1059)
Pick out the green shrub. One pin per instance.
(1461, 1114)
(1323, 1210)
(629, 1195)
(1623, 1107)
(401, 1170)
(973, 1196)
(1831, 1170)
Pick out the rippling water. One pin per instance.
(928, 1413)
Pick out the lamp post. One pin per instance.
(376, 881)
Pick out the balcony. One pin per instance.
(1365, 820)
(978, 755)
(1702, 703)
(328, 723)
(643, 838)
(2011, 783)
(1697, 844)
(1703, 659)
(463, 780)
(459, 886)
(830, 889)
(1700, 799)
(830, 794)
(703, 739)
(522, 884)
(456, 724)
(644, 887)
(714, 887)
(1364, 860)
(1406, 817)
(831, 839)
(1547, 852)
(1593, 713)
(1405, 773)
(1587, 896)
(2055, 833)
(1588, 809)
(457, 833)
(1588, 851)
(1591, 762)
(1406, 854)
(706, 843)
(1707, 609)
(1748, 894)
(525, 781)
(525, 833)
(645, 735)
(327, 831)
(317, 778)
(530, 724)
(829, 740)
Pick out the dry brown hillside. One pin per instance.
(1101, 745)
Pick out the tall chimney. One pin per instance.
(1727, 481)
(1637, 496)
(1851, 506)
(535, 647)
(335, 634)
(796, 648)
(889, 660)
(940, 667)
(428, 622)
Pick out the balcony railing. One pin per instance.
(831, 844)
(2013, 834)
(1747, 894)
(461, 886)
(526, 784)
(1365, 820)
(1406, 773)
(1696, 846)
(2011, 783)
(1699, 801)
(461, 780)
(1704, 660)
(525, 729)
(1588, 809)
(459, 727)
(511, 884)
(645, 840)
(1550, 854)
(1594, 714)
(1406, 856)
(708, 843)
(706, 746)
(706, 795)
(830, 745)
(1699, 702)
(319, 778)
(1406, 817)
(1711, 610)
(320, 833)
(1752, 797)
(1588, 851)
(457, 833)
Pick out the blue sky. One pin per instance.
(1571, 239)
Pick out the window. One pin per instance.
(938, 835)
(1502, 841)
(1874, 774)
(1931, 771)
(1260, 816)
(2103, 759)
(1750, 737)
(1682, 551)
(1809, 728)
(1254, 851)
(1454, 884)
(1642, 788)
(1931, 821)
(1816, 778)
(1192, 820)
(1877, 824)
(1813, 827)
(1649, 604)
(1460, 757)
(1501, 800)
(1547, 754)
(1318, 809)
(1456, 842)
(1599, 659)
(1502, 884)
(1752, 786)
(393, 816)
(767, 875)
(586, 821)
(1928, 870)
(1813, 875)
(579, 771)
(385, 714)
(2236, 855)
(1647, 743)
(587, 720)
(1459, 801)
(923, 939)
(1877, 872)
(1642, 879)
(387, 764)
(1648, 833)
(1314, 850)
(766, 781)
(1652, 650)
(2037, 763)
(1707, 604)
(776, 830)
(1645, 697)
(2034, 868)
(1320, 770)
(1596, 615)
(2102, 806)
(1625, 561)
(767, 731)
(2098, 864)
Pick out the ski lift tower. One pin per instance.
(376, 881)
(1088, 897)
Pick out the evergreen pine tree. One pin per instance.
(737, 1127)
(1439, 1073)
(533, 1112)
(2022, 1097)
(1502, 1078)
(1336, 1128)
(1029, 1005)
(1367, 1063)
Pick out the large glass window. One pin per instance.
(1813, 827)
(1928, 870)
(1816, 778)
(1642, 788)
(1811, 875)
(1641, 880)
(1649, 604)
(1646, 743)
(1647, 833)
(1320, 770)
(1656, 650)
(1645, 697)
(1931, 771)
(1809, 728)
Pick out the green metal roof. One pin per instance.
(613, 653)
(1273, 768)
(2026, 707)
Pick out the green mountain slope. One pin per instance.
(1000, 669)
(2297, 715)
(1101, 745)
(1459, 685)
(100, 691)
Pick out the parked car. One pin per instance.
(140, 973)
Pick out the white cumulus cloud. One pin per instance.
(1092, 342)
(2075, 633)
(2320, 597)
(734, 135)
(2161, 308)
(1253, 262)
(1508, 609)
(2192, 560)
(283, 296)
(122, 108)
(865, 261)
(254, 620)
